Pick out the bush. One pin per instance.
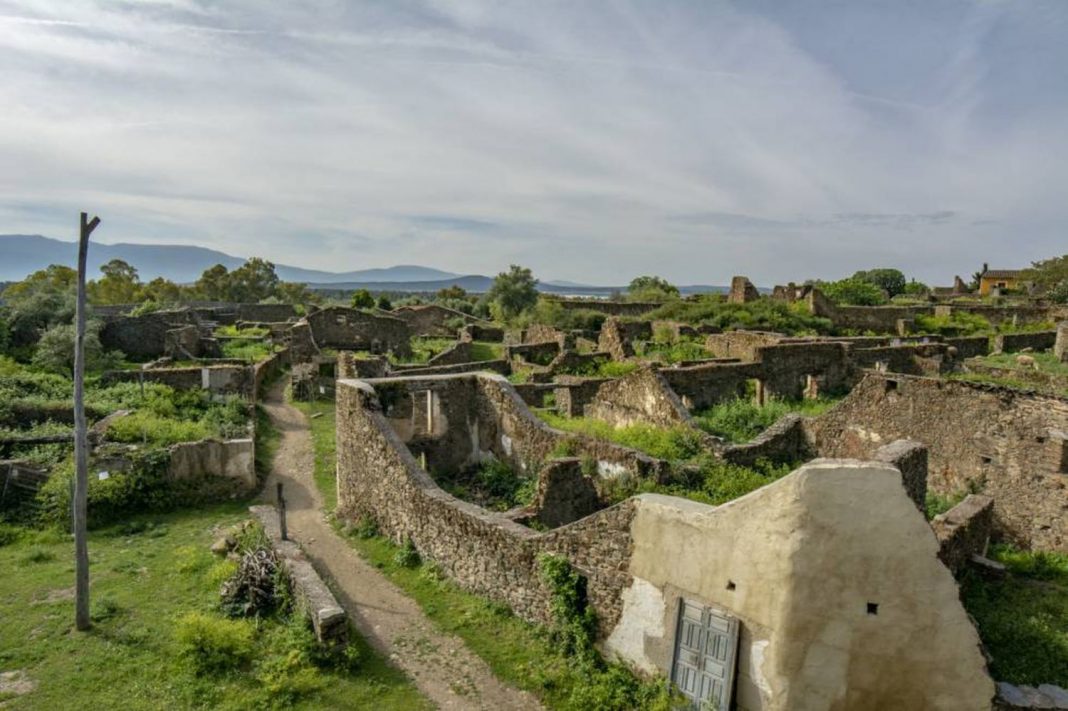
(259, 588)
(213, 645)
(740, 420)
(958, 323)
(9, 534)
(407, 556)
(854, 292)
(762, 315)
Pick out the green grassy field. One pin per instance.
(143, 580)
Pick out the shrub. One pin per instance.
(407, 556)
(740, 420)
(762, 315)
(9, 534)
(958, 323)
(213, 645)
(37, 555)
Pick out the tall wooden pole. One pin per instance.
(81, 441)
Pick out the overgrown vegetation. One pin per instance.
(741, 420)
(762, 315)
(670, 349)
(696, 473)
(423, 349)
(160, 639)
(493, 484)
(322, 418)
(957, 323)
(1021, 616)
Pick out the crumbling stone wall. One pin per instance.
(1008, 444)
(642, 396)
(969, 346)
(273, 313)
(786, 441)
(349, 366)
(910, 458)
(501, 367)
(355, 330)
(572, 393)
(964, 531)
(230, 459)
(216, 379)
(740, 344)
(433, 319)
(1035, 340)
(302, 345)
(144, 337)
(537, 353)
(1060, 345)
(484, 552)
(482, 332)
(459, 352)
(742, 291)
(618, 337)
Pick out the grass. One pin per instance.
(423, 349)
(481, 351)
(741, 420)
(232, 331)
(1047, 362)
(145, 577)
(986, 379)
(323, 440)
(252, 351)
(697, 475)
(268, 439)
(1023, 617)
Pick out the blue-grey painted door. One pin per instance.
(706, 645)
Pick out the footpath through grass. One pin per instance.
(517, 652)
(145, 576)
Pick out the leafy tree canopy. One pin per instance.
(651, 288)
(513, 292)
(362, 299)
(892, 281)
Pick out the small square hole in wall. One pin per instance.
(731, 585)
(873, 608)
(891, 385)
(985, 460)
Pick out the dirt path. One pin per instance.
(441, 666)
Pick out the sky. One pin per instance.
(591, 141)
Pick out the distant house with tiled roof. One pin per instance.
(1000, 279)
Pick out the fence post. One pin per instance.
(282, 513)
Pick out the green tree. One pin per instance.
(916, 288)
(362, 299)
(1048, 273)
(119, 285)
(384, 303)
(253, 281)
(452, 292)
(55, 350)
(1059, 293)
(295, 292)
(162, 291)
(214, 283)
(892, 281)
(44, 298)
(651, 288)
(853, 292)
(513, 293)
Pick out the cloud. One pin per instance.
(590, 141)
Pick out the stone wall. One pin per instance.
(618, 337)
(216, 379)
(742, 291)
(267, 370)
(641, 397)
(1008, 444)
(537, 353)
(432, 319)
(969, 346)
(786, 441)
(271, 313)
(572, 393)
(501, 367)
(355, 330)
(484, 552)
(230, 459)
(964, 531)
(1060, 345)
(143, 337)
(910, 458)
(459, 352)
(481, 332)
(880, 319)
(1035, 340)
(842, 533)
(740, 344)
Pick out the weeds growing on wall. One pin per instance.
(573, 633)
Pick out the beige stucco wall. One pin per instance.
(231, 459)
(806, 555)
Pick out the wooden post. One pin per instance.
(282, 514)
(81, 440)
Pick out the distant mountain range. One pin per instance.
(20, 255)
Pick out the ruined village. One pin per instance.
(777, 500)
(513, 355)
